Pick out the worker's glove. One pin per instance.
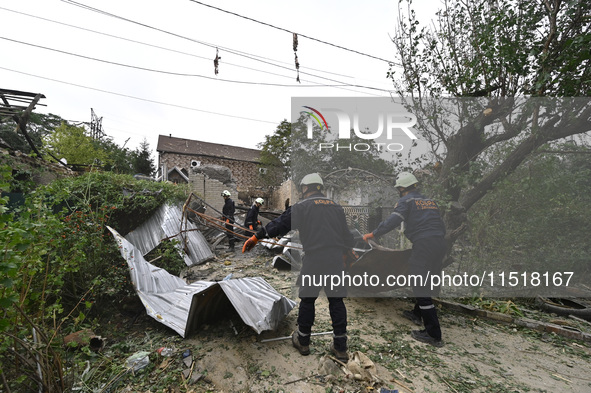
(227, 220)
(250, 243)
(259, 223)
(349, 258)
(250, 226)
(368, 236)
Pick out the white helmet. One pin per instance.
(312, 178)
(405, 179)
(259, 201)
(225, 193)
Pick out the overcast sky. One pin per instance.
(146, 67)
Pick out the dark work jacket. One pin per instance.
(320, 221)
(421, 217)
(229, 209)
(252, 216)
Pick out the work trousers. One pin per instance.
(229, 235)
(319, 263)
(338, 316)
(425, 260)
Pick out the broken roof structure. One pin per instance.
(183, 307)
(15, 102)
(167, 223)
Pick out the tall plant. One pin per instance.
(58, 261)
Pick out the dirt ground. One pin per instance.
(479, 355)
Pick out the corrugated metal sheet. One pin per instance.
(257, 302)
(166, 223)
(183, 307)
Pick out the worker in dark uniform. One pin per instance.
(252, 217)
(426, 230)
(325, 238)
(228, 216)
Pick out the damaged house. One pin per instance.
(211, 168)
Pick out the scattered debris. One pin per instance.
(566, 306)
(525, 322)
(85, 338)
(168, 223)
(138, 361)
(183, 307)
(289, 337)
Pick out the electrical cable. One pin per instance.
(139, 98)
(171, 50)
(291, 32)
(186, 74)
(229, 50)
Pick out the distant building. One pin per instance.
(236, 168)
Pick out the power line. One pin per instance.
(139, 98)
(292, 32)
(186, 74)
(174, 50)
(229, 50)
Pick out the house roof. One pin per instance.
(170, 144)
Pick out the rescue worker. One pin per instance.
(228, 215)
(426, 230)
(252, 217)
(325, 239)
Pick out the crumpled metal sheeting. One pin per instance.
(166, 223)
(174, 309)
(145, 277)
(261, 307)
(183, 307)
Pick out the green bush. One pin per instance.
(58, 261)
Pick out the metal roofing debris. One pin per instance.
(291, 252)
(166, 223)
(183, 307)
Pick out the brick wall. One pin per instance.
(286, 190)
(210, 190)
(246, 173)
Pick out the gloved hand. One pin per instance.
(260, 223)
(250, 227)
(250, 243)
(349, 258)
(227, 220)
(368, 236)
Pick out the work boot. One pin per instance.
(295, 340)
(412, 317)
(343, 356)
(423, 336)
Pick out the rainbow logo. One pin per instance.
(313, 114)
